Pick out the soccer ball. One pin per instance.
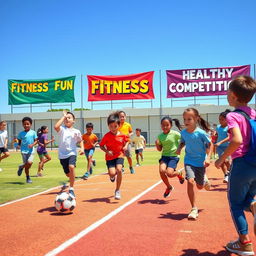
(65, 203)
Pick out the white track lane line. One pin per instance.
(37, 194)
(98, 223)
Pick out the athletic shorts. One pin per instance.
(113, 163)
(196, 173)
(27, 157)
(128, 152)
(170, 161)
(3, 150)
(67, 162)
(42, 154)
(137, 151)
(89, 152)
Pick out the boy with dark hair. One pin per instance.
(114, 143)
(242, 181)
(69, 137)
(27, 140)
(90, 141)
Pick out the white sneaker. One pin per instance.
(207, 184)
(137, 165)
(225, 180)
(193, 214)
(117, 195)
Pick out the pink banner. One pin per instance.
(203, 81)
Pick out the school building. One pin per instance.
(147, 119)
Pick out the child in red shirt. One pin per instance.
(114, 143)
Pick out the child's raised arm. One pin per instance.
(59, 123)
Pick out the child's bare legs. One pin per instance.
(5, 155)
(71, 175)
(27, 166)
(137, 158)
(163, 174)
(191, 190)
(89, 164)
(118, 176)
(141, 156)
(129, 159)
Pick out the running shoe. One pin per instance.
(168, 191)
(29, 180)
(207, 184)
(132, 170)
(94, 162)
(239, 248)
(112, 179)
(225, 180)
(181, 177)
(85, 176)
(19, 172)
(193, 214)
(117, 195)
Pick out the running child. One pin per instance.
(168, 142)
(126, 129)
(90, 141)
(242, 179)
(197, 155)
(27, 141)
(3, 142)
(114, 143)
(68, 139)
(222, 143)
(140, 144)
(41, 149)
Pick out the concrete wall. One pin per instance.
(148, 119)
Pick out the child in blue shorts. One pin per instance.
(197, 155)
(27, 141)
(242, 180)
(168, 142)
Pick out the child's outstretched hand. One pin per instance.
(64, 113)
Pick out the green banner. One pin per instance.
(41, 91)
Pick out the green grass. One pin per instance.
(15, 187)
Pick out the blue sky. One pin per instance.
(56, 38)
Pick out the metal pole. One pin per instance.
(132, 104)
(218, 100)
(160, 88)
(30, 108)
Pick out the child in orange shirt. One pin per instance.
(90, 141)
(114, 143)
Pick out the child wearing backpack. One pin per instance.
(242, 182)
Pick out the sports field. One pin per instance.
(14, 187)
(141, 223)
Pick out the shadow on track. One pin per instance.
(195, 252)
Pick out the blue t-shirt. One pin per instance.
(222, 134)
(27, 138)
(196, 144)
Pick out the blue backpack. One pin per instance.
(250, 156)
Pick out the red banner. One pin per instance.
(135, 86)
